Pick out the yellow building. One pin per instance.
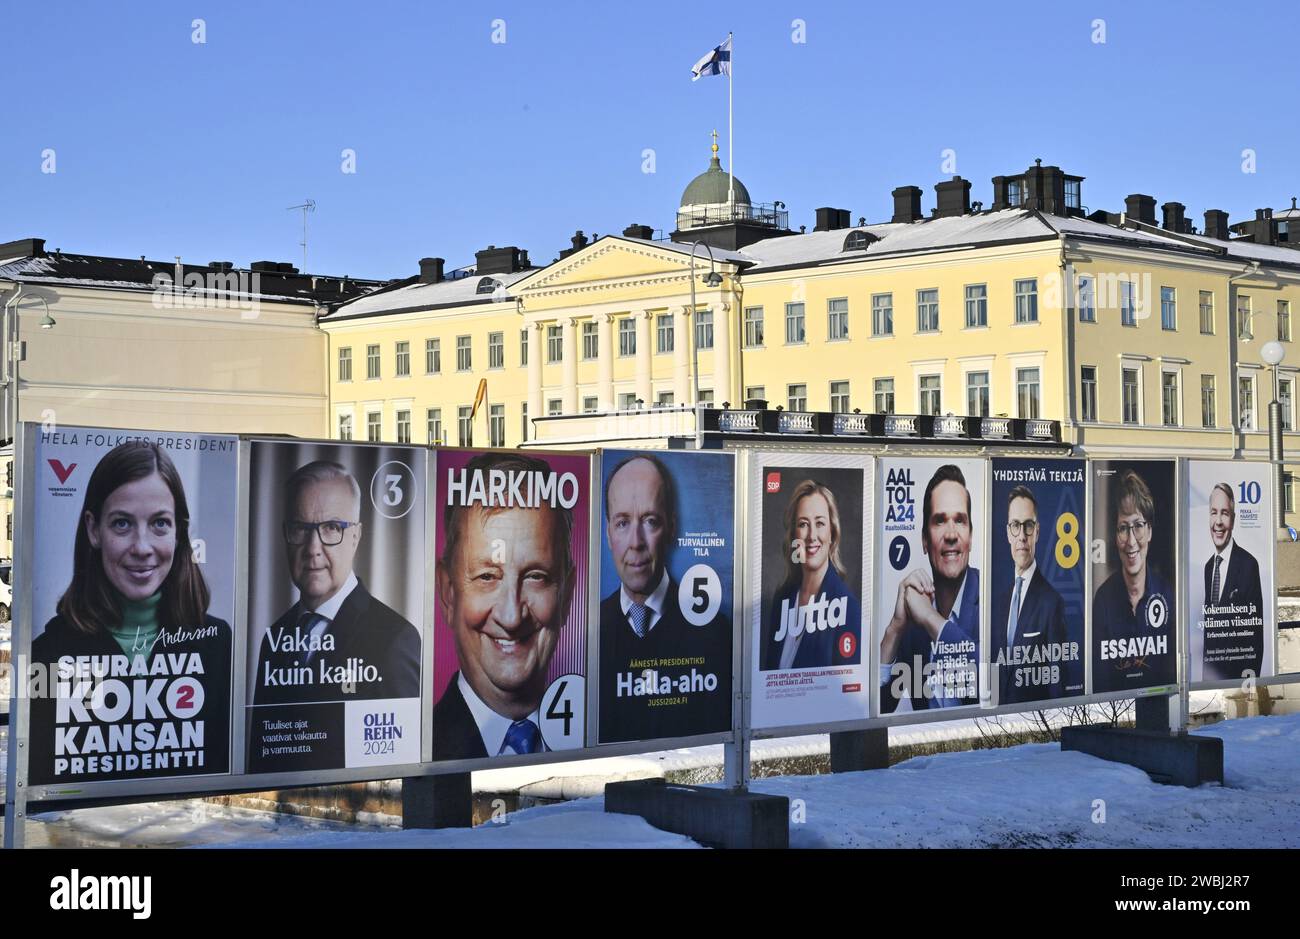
(1135, 336)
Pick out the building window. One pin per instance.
(1127, 303)
(665, 399)
(840, 397)
(403, 359)
(977, 394)
(1028, 393)
(554, 344)
(432, 356)
(1169, 399)
(372, 361)
(1087, 299)
(1246, 402)
(794, 332)
(1207, 401)
(704, 329)
(497, 425)
(374, 426)
(590, 340)
(927, 311)
(1284, 320)
(345, 426)
(837, 319)
(463, 360)
(1013, 192)
(665, 333)
(627, 401)
(1168, 308)
(523, 348)
(590, 404)
(796, 397)
(1284, 399)
(1245, 329)
(496, 350)
(1027, 301)
(755, 393)
(433, 426)
(403, 426)
(706, 397)
(464, 427)
(977, 306)
(554, 407)
(884, 390)
(753, 327)
(345, 364)
(1073, 194)
(1088, 396)
(882, 314)
(1207, 312)
(1130, 397)
(627, 336)
(523, 423)
(931, 394)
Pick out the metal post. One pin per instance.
(1275, 452)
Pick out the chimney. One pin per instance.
(494, 260)
(644, 232)
(953, 197)
(23, 248)
(431, 270)
(831, 219)
(1175, 215)
(907, 204)
(1141, 208)
(579, 241)
(999, 194)
(1216, 224)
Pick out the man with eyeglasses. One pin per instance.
(1133, 617)
(1029, 616)
(336, 627)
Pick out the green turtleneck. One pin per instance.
(139, 627)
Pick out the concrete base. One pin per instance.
(855, 750)
(437, 801)
(1172, 759)
(1157, 713)
(719, 818)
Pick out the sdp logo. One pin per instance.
(774, 482)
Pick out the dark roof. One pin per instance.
(28, 261)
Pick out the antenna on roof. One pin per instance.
(308, 206)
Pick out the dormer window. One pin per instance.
(1015, 193)
(487, 285)
(1073, 194)
(858, 240)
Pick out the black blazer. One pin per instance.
(1041, 623)
(62, 639)
(1240, 587)
(633, 718)
(363, 629)
(455, 734)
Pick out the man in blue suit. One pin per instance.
(933, 636)
(1029, 615)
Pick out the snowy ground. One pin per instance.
(1031, 795)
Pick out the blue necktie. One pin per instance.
(523, 737)
(314, 625)
(1014, 618)
(638, 614)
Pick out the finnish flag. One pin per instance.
(717, 62)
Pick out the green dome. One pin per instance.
(710, 187)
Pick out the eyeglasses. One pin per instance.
(1015, 526)
(330, 533)
(1137, 530)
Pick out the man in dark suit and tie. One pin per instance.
(1232, 592)
(337, 642)
(642, 625)
(1029, 615)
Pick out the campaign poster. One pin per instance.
(336, 592)
(666, 570)
(810, 527)
(133, 586)
(1134, 574)
(930, 555)
(1036, 587)
(510, 646)
(1230, 524)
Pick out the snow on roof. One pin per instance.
(421, 296)
(719, 254)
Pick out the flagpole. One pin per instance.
(731, 155)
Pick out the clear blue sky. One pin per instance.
(166, 147)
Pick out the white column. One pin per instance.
(569, 327)
(682, 356)
(605, 361)
(536, 339)
(722, 390)
(643, 356)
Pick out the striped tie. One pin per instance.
(639, 616)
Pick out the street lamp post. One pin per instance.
(713, 279)
(1273, 353)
